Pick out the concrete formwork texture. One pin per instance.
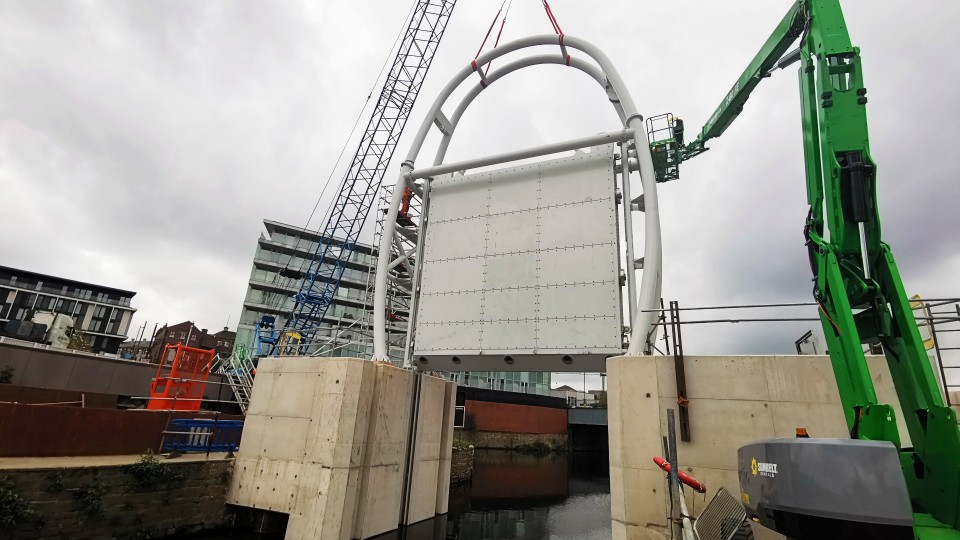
(733, 400)
(326, 441)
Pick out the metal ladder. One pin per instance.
(238, 371)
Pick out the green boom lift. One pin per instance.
(857, 284)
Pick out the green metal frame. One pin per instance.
(861, 295)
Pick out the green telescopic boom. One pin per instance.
(856, 281)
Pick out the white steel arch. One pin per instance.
(643, 328)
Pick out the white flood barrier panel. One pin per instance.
(521, 268)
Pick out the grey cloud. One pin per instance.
(144, 142)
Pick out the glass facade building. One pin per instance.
(284, 252)
(510, 381)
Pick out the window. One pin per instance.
(4, 304)
(81, 314)
(172, 335)
(113, 327)
(99, 321)
(22, 305)
(65, 306)
(183, 335)
(45, 303)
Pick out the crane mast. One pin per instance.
(856, 281)
(361, 182)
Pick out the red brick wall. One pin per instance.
(516, 418)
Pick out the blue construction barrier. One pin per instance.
(202, 435)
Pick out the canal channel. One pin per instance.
(513, 495)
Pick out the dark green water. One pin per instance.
(513, 496)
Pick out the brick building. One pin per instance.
(223, 342)
(189, 334)
(502, 419)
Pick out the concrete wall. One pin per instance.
(325, 441)
(68, 370)
(64, 500)
(589, 417)
(734, 400)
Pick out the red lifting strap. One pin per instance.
(553, 19)
(493, 22)
(483, 78)
(500, 33)
(558, 30)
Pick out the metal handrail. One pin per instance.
(239, 372)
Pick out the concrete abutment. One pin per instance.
(734, 400)
(326, 441)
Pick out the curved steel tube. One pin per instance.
(643, 329)
(543, 59)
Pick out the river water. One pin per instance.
(513, 495)
(558, 496)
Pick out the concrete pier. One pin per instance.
(734, 400)
(326, 441)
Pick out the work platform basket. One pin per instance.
(182, 387)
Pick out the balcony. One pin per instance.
(294, 286)
(74, 295)
(281, 251)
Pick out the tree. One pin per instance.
(601, 402)
(78, 340)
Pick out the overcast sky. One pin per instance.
(143, 143)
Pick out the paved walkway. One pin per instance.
(7, 463)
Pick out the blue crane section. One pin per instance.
(359, 187)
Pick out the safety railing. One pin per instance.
(6, 340)
(238, 372)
